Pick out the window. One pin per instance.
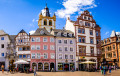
(24, 48)
(45, 56)
(20, 56)
(71, 42)
(66, 56)
(85, 23)
(44, 39)
(37, 47)
(60, 48)
(81, 39)
(2, 38)
(33, 55)
(45, 22)
(91, 40)
(88, 24)
(113, 47)
(50, 22)
(88, 18)
(51, 47)
(52, 56)
(82, 49)
(60, 56)
(33, 47)
(28, 48)
(85, 18)
(24, 56)
(71, 56)
(38, 55)
(28, 56)
(114, 54)
(20, 48)
(83, 31)
(96, 33)
(66, 49)
(51, 39)
(79, 30)
(2, 45)
(91, 32)
(37, 39)
(2, 54)
(97, 41)
(65, 41)
(92, 50)
(33, 39)
(59, 41)
(45, 47)
(71, 48)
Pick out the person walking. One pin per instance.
(2, 68)
(104, 70)
(109, 69)
(35, 71)
(8, 69)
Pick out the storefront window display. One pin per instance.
(60, 66)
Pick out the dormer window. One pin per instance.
(70, 35)
(65, 34)
(42, 32)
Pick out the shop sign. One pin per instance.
(82, 57)
(45, 59)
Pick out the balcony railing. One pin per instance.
(89, 54)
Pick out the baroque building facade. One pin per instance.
(111, 49)
(88, 38)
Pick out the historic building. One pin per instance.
(42, 50)
(22, 43)
(65, 49)
(88, 38)
(111, 49)
(46, 21)
(4, 42)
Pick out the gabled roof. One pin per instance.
(22, 31)
(38, 32)
(12, 38)
(2, 32)
(62, 30)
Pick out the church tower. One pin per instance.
(46, 21)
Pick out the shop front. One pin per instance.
(46, 67)
(40, 67)
(2, 63)
(66, 66)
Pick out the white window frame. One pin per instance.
(60, 56)
(38, 38)
(37, 55)
(52, 39)
(51, 55)
(72, 48)
(47, 55)
(64, 48)
(45, 40)
(45, 45)
(32, 56)
(58, 41)
(61, 48)
(52, 46)
(32, 47)
(37, 46)
(33, 39)
(72, 55)
(67, 56)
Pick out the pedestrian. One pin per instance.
(109, 69)
(8, 69)
(2, 68)
(35, 71)
(104, 70)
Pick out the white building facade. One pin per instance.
(65, 50)
(86, 32)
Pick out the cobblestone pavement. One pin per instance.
(77, 73)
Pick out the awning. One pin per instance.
(88, 62)
(21, 62)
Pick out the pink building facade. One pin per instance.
(42, 45)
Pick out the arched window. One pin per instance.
(45, 22)
(50, 22)
(51, 29)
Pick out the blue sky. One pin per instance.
(23, 14)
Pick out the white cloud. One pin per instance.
(33, 20)
(73, 6)
(107, 33)
(117, 33)
(32, 32)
